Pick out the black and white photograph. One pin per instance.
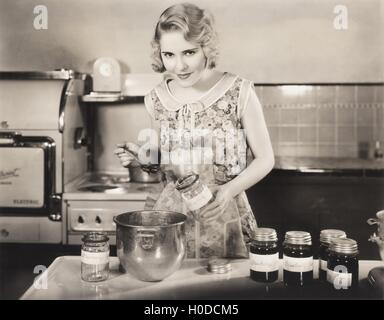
(191, 156)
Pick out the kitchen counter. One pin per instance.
(332, 166)
(191, 281)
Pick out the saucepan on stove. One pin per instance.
(141, 173)
(151, 244)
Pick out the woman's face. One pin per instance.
(185, 61)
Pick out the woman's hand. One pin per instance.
(127, 153)
(222, 198)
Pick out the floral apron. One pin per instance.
(216, 118)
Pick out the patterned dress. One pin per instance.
(209, 135)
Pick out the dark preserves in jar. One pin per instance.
(343, 264)
(297, 259)
(264, 256)
(326, 236)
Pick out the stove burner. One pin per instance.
(97, 188)
(112, 179)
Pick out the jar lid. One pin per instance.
(265, 234)
(346, 246)
(298, 237)
(327, 234)
(185, 182)
(95, 237)
(218, 265)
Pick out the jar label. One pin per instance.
(297, 264)
(264, 262)
(340, 280)
(199, 200)
(323, 265)
(94, 257)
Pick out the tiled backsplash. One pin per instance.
(324, 120)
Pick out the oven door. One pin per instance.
(27, 176)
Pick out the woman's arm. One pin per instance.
(259, 142)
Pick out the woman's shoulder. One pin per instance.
(160, 85)
(240, 78)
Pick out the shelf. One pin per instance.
(99, 97)
(59, 74)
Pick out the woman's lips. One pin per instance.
(184, 76)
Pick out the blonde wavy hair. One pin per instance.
(196, 24)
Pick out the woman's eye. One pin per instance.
(167, 54)
(189, 53)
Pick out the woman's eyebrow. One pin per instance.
(192, 49)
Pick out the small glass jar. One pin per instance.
(343, 264)
(297, 259)
(95, 257)
(264, 256)
(194, 193)
(326, 236)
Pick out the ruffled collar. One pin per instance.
(216, 92)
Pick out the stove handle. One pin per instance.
(55, 208)
(8, 137)
(80, 139)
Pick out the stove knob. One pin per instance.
(80, 219)
(4, 233)
(98, 220)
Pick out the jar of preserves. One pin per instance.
(194, 193)
(343, 264)
(326, 236)
(264, 256)
(95, 257)
(297, 259)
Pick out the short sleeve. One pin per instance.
(148, 102)
(246, 90)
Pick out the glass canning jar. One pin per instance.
(95, 257)
(264, 256)
(326, 236)
(343, 264)
(297, 259)
(194, 193)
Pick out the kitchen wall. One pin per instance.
(341, 121)
(264, 40)
(268, 41)
(333, 121)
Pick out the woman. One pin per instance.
(207, 122)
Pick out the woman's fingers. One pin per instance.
(126, 159)
(119, 151)
(134, 148)
(209, 208)
(212, 210)
(213, 214)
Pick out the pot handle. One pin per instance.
(372, 221)
(146, 236)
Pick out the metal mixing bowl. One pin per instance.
(150, 244)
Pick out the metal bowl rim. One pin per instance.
(118, 223)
